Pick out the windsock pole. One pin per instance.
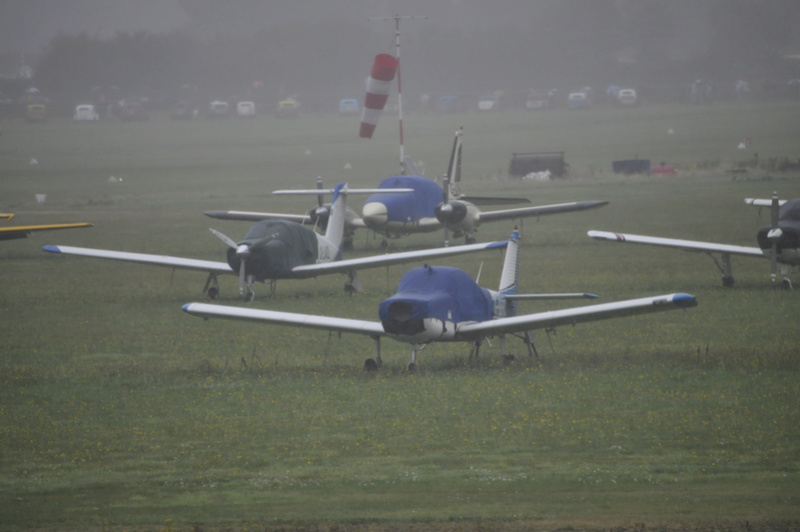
(397, 19)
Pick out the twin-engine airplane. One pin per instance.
(428, 208)
(443, 304)
(779, 242)
(280, 249)
(24, 231)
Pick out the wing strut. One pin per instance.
(725, 268)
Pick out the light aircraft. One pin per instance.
(429, 208)
(443, 304)
(280, 249)
(779, 242)
(24, 231)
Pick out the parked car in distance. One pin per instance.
(627, 97)
(86, 113)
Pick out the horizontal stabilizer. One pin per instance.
(575, 295)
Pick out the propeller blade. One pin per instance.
(241, 276)
(775, 236)
(320, 197)
(446, 206)
(228, 241)
(775, 210)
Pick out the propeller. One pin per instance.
(451, 212)
(243, 252)
(774, 236)
(321, 212)
(445, 210)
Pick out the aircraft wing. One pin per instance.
(22, 231)
(144, 258)
(575, 315)
(541, 210)
(686, 245)
(762, 202)
(374, 261)
(258, 216)
(485, 200)
(311, 321)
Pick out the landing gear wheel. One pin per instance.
(249, 296)
(469, 239)
(370, 365)
(349, 289)
(213, 292)
(787, 284)
(411, 367)
(728, 282)
(508, 359)
(384, 244)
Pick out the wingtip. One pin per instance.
(592, 204)
(51, 249)
(684, 300)
(496, 245)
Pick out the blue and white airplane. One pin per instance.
(429, 208)
(280, 249)
(443, 304)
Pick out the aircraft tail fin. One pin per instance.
(454, 166)
(335, 231)
(505, 304)
(509, 279)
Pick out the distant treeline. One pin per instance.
(643, 44)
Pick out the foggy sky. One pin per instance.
(552, 37)
(28, 25)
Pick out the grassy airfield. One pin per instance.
(120, 412)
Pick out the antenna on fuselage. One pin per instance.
(397, 19)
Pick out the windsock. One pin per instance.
(378, 86)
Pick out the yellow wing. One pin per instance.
(23, 231)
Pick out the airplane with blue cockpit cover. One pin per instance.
(281, 249)
(431, 207)
(779, 242)
(444, 304)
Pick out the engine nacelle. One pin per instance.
(459, 216)
(451, 212)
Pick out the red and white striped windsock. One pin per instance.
(378, 86)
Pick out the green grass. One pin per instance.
(120, 412)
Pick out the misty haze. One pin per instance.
(319, 52)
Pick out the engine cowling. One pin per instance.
(452, 212)
(461, 217)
